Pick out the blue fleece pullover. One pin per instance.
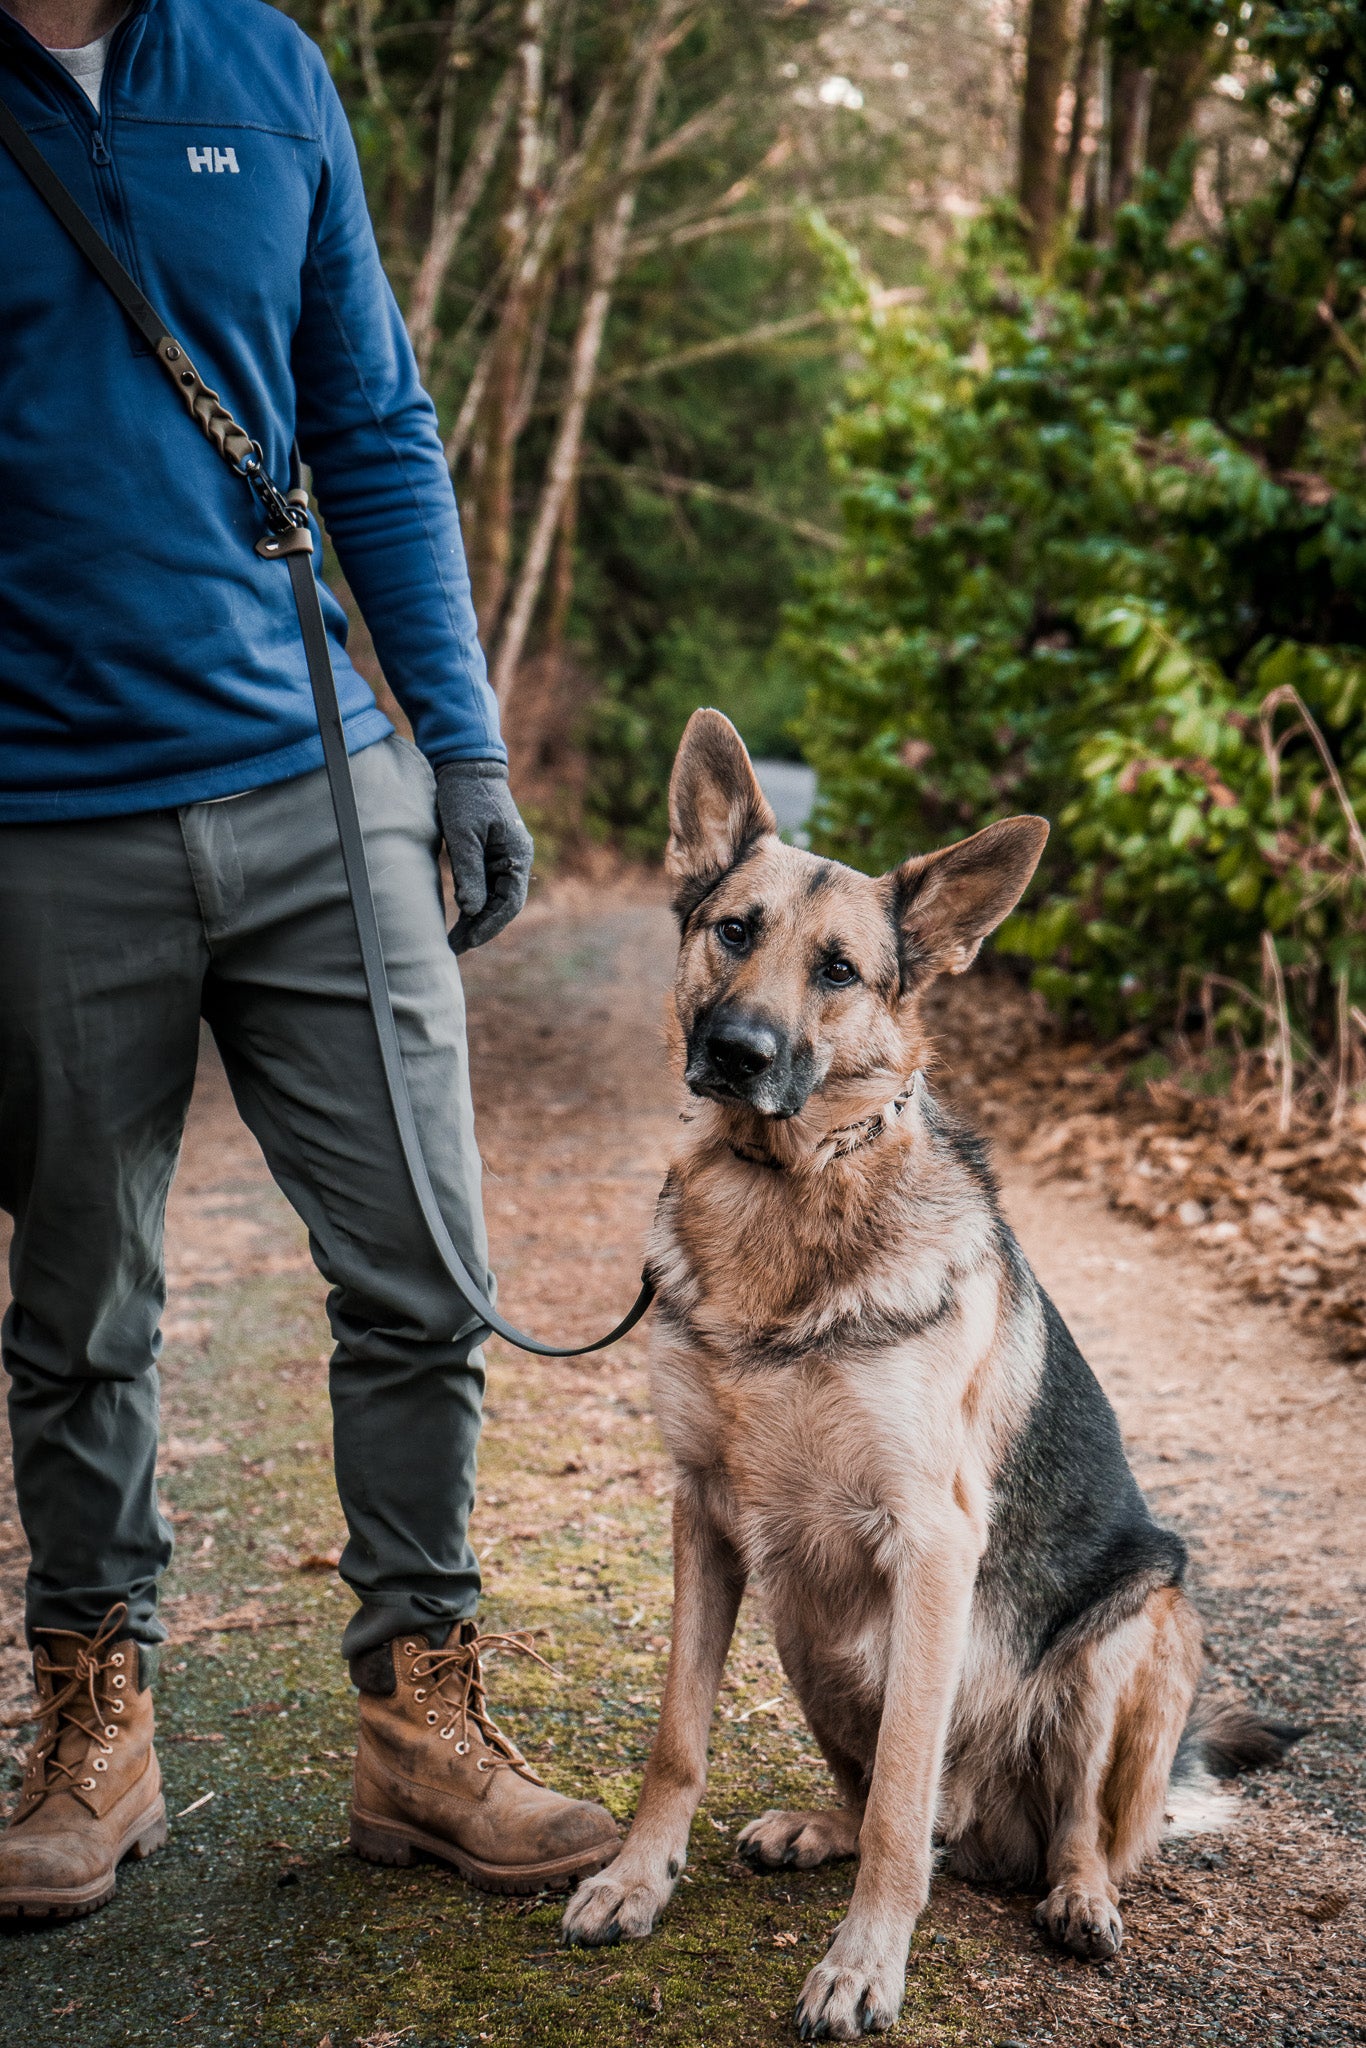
(148, 657)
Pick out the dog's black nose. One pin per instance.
(741, 1049)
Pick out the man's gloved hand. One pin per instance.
(490, 848)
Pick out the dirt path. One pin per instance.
(257, 1926)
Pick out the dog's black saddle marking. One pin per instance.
(1074, 1548)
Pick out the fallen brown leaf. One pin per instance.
(1329, 1906)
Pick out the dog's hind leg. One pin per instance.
(1152, 1715)
(628, 1897)
(1123, 1700)
(802, 1839)
(1081, 1911)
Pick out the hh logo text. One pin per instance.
(212, 160)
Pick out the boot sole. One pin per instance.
(142, 1840)
(396, 1843)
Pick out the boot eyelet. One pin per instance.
(117, 1658)
(110, 1732)
(101, 1763)
(421, 1693)
(120, 1681)
(87, 1784)
(482, 1765)
(410, 1649)
(116, 1706)
(431, 1717)
(462, 1749)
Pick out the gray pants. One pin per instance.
(116, 936)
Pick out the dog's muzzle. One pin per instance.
(739, 1056)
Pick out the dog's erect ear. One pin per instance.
(945, 903)
(716, 809)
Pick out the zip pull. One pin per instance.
(98, 150)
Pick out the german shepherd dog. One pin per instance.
(878, 1416)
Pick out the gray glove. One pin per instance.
(490, 848)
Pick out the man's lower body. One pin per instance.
(116, 937)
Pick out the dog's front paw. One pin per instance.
(849, 1995)
(1086, 1922)
(618, 1903)
(777, 1841)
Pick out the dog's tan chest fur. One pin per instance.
(824, 1447)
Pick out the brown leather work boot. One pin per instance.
(435, 1774)
(92, 1785)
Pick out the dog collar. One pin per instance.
(848, 1138)
(845, 1138)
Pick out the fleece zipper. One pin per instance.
(95, 127)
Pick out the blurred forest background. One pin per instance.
(966, 396)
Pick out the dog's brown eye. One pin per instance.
(840, 972)
(731, 932)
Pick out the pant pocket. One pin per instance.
(414, 761)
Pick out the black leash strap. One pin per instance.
(288, 538)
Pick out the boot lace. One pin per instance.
(453, 1679)
(79, 1698)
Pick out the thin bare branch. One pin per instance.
(494, 444)
(375, 89)
(528, 270)
(698, 228)
(1271, 960)
(1081, 100)
(1288, 694)
(1343, 1081)
(714, 494)
(696, 129)
(571, 184)
(535, 355)
(1300, 1046)
(762, 336)
(607, 250)
(1341, 338)
(469, 405)
(531, 65)
(474, 176)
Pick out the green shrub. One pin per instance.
(1091, 524)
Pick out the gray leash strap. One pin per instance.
(288, 538)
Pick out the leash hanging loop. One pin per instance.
(337, 762)
(290, 539)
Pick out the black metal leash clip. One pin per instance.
(286, 511)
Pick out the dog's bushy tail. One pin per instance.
(1224, 1738)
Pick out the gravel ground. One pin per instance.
(256, 1926)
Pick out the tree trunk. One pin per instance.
(1095, 215)
(1045, 72)
(1178, 84)
(451, 221)
(491, 513)
(1082, 72)
(532, 287)
(1132, 109)
(562, 579)
(469, 408)
(607, 249)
